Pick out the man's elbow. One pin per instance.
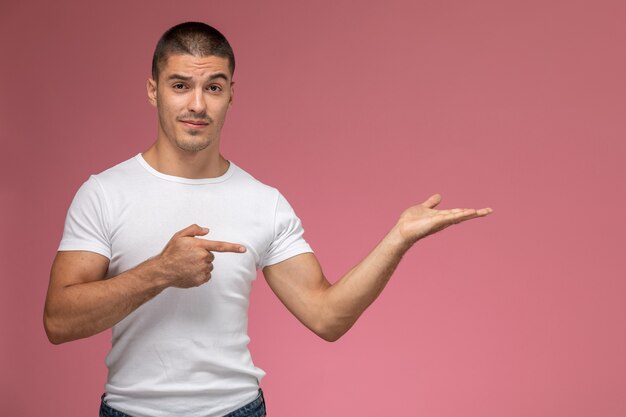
(54, 333)
(331, 332)
(330, 337)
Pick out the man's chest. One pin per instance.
(143, 223)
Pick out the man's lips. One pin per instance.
(195, 123)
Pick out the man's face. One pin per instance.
(192, 96)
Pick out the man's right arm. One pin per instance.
(81, 302)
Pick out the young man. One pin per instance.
(136, 255)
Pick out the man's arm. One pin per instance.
(81, 303)
(331, 310)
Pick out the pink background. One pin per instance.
(355, 112)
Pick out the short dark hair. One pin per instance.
(193, 38)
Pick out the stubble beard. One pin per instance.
(192, 145)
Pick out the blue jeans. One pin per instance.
(256, 408)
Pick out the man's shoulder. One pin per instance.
(243, 177)
(126, 176)
(120, 171)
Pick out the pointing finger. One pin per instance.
(217, 246)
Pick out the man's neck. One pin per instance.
(207, 163)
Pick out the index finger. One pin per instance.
(218, 246)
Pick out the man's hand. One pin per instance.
(422, 220)
(81, 302)
(187, 261)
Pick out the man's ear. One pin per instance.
(151, 87)
(232, 93)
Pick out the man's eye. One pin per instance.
(215, 88)
(178, 86)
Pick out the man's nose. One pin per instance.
(196, 101)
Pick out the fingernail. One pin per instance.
(242, 249)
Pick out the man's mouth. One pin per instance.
(195, 124)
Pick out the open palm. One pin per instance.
(422, 220)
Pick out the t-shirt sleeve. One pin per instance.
(86, 226)
(288, 235)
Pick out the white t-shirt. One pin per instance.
(185, 352)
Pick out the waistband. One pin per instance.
(255, 408)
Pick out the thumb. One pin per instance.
(432, 201)
(193, 230)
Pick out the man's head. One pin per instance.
(191, 38)
(191, 86)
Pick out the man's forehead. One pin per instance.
(196, 66)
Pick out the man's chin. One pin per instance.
(193, 146)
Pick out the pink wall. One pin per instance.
(355, 113)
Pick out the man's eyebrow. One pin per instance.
(218, 75)
(188, 78)
(178, 77)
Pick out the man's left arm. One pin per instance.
(331, 310)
